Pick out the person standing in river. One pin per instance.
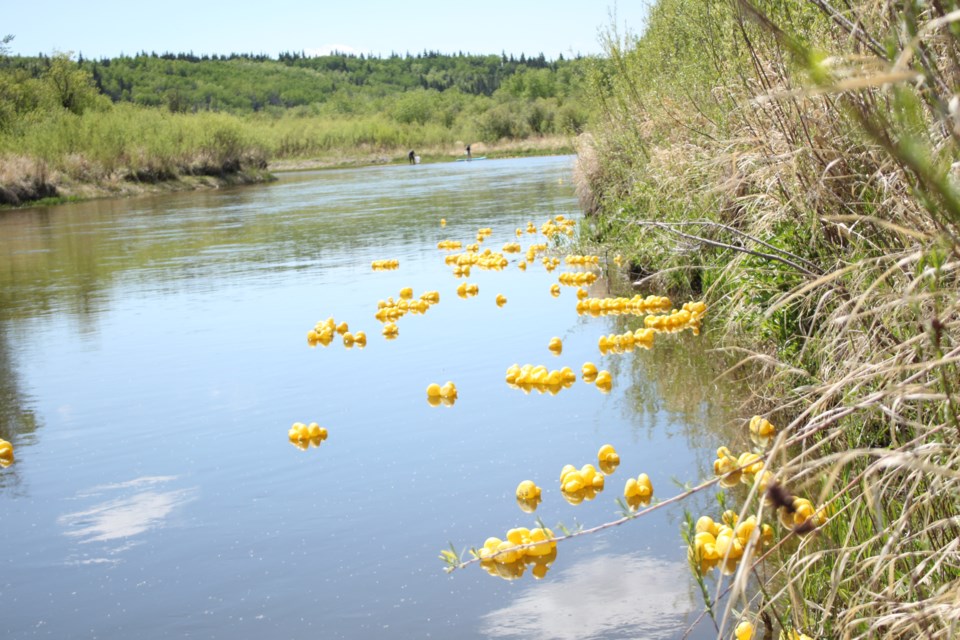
(412, 156)
(468, 152)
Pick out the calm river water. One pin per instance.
(153, 356)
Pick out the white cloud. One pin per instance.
(612, 595)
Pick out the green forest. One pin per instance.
(68, 121)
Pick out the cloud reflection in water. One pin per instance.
(606, 596)
(141, 506)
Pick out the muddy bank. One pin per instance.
(37, 190)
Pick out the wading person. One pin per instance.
(468, 152)
(412, 156)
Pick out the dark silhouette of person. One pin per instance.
(412, 156)
(468, 153)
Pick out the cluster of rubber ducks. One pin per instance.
(509, 559)
(582, 260)
(466, 290)
(445, 394)
(538, 377)
(391, 310)
(637, 305)
(577, 485)
(624, 342)
(303, 436)
(638, 491)
(725, 543)
(6, 453)
(450, 245)
(385, 265)
(761, 431)
(599, 377)
(578, 278)
(689, 317)
(484, 233)
(801, 515)
(512, 247)
(489, 260)
(534, 249)
(550, 263)
(746, 468)
(324, 331)
(557, 225)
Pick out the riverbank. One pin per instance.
(823, 232)
(43, 190)
(28, 181)
(525, 148)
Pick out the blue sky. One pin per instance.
(109, 28)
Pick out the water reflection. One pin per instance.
(141, 505)
(605, 596)
(18, 422)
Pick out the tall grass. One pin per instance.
(798, 164)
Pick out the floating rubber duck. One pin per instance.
(6, 453)
(745, 631)
(501, 299)
(528, 490)
(555, 345)
(528, 496)
(603, 381)
(555, 290)
(589, 372)
(608, 454)
(443, 222)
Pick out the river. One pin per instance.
(153, 355)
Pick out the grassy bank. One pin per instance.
(797, 165)
(69, 129)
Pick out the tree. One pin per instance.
(73, 88)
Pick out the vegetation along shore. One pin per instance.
(797, 162)
(76, 128)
